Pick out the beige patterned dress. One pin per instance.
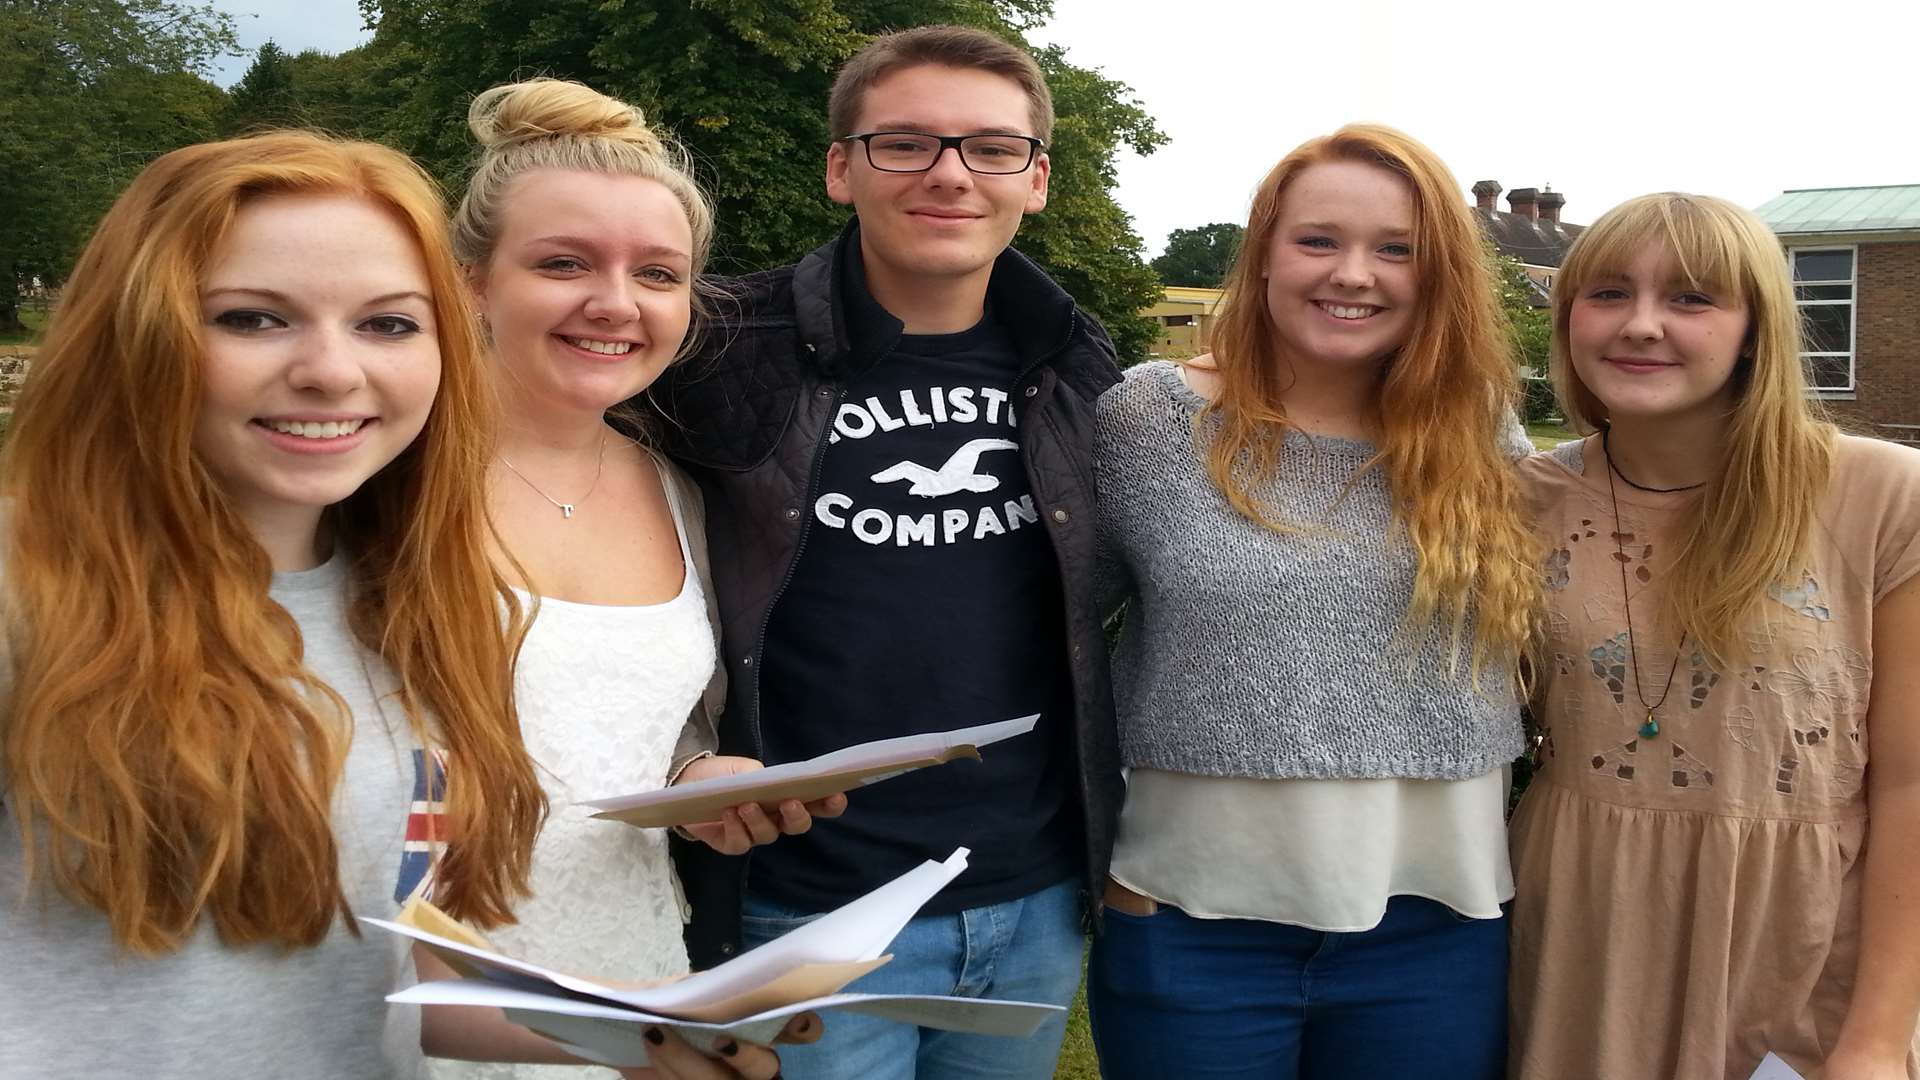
(1688, 901)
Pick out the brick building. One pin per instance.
(1529, 230)
(1183, 320)
(1855, 254)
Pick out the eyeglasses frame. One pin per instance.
(1035, 147)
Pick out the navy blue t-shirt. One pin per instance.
(926, 598)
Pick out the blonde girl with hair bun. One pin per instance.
(1330, 582)
(1715, 858)
(584, 237)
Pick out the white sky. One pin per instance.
(1602, 101)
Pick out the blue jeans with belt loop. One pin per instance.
(1423, 994)
(1025, 949)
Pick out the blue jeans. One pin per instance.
(1023, 950)
(1423, 994)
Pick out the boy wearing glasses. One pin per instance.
(894, 440)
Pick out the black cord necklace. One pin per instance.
(1607, 432)
(1652, 727)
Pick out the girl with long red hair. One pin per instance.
(1321, 536)
(259, 660)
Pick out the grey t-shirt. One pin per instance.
(73, 1005)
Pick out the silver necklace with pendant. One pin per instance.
(566, 508)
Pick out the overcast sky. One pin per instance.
(1602, 101)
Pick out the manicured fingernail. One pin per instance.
(656, 1036)
(727, 1047)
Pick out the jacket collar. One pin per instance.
(1037, 313)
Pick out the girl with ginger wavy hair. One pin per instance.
(1331, 580)
(1715, 857)
(250, 610)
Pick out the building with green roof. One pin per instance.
(1855, 253)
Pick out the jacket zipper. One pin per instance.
(760, 641)
(1089, 894)
(793, 563)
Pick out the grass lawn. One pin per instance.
(36, 320)
(1548, 436)
(1076, 1052)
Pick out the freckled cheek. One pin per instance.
(411, 385)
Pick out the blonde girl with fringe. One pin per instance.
(1716, 857)
(1330, 581)
(259, 662)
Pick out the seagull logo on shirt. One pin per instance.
(960, 473)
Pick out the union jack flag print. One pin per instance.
(426, 826)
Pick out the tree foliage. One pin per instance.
(1531, 330)
(103, 86)
(90, 91)
(265, 95)
(1199, 257)
(1532, 327)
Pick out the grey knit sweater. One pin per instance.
(1246, 652)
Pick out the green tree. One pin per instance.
(1532, 326)
(90, 91)
(1531, 330)
(744, 84)
(1199, 257)
(264, 97)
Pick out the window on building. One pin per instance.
(1179, 320)
(1823, 286)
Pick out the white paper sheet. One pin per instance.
(858, 931)
(532, 1008)
(854, 766)
(607, 1023)
(1772, 1068)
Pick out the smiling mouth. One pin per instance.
(314, 429)
(604, 348)
(1348, 312)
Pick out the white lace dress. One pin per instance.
(603, 692)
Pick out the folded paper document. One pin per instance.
(750, 997)
(815, 778)
(1772, 1068)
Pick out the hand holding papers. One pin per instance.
(741, 828)
(855, 766)
(749, 998)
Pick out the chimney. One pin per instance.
(1550, 203)
(1484, 194)
(1523, 204)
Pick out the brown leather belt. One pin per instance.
(1120, 898)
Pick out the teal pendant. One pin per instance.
(1651, 728)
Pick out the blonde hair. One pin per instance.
(555, 124)
(1445, 400)
(168, 756)
(1749, 527)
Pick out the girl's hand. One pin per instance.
(673, 1059)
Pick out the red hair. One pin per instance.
(1445, 399)
(167, 754)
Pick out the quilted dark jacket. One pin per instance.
(748, 415)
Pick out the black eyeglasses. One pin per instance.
(912, 151)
